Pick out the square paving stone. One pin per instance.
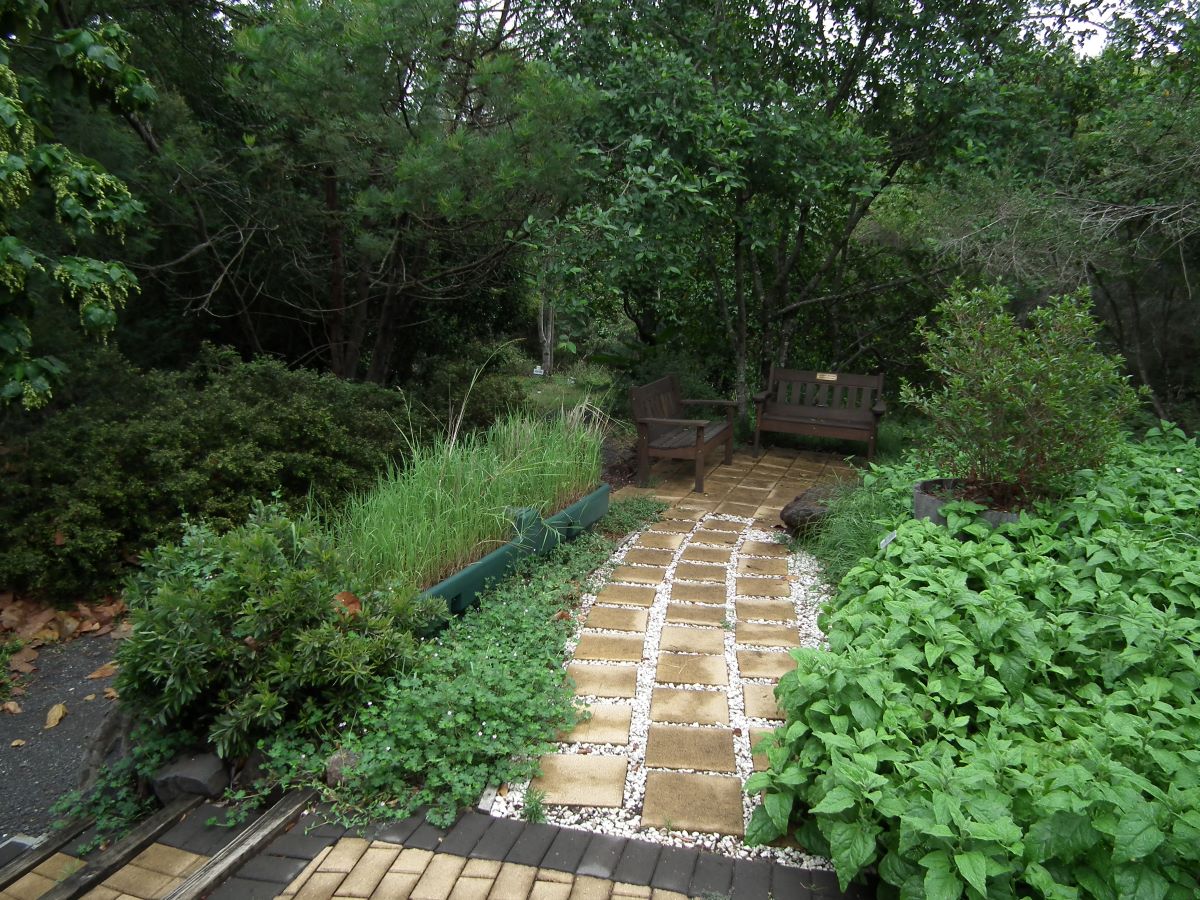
(767, 635)
(699, 593)
(609, 724)
(689, 707)
(712, 524)
(724, 538)
(714, 555)
(679, 639)
(708, 803)
(691, 614)
(700, 506)
(763, 587)
(756, 495)
(760, 701)
(660, 541)
(603, 681)
(774, 565)
(626, 595)
(673, 526)
(679, 747)
(639, 574)
(766, 608)
(696, 572)
(678, 668)
(368, 872)
(764, 548)
(643, 557)
(157, 858)
(571, 780)
(764, 663)
(733, 508)
(613, 618)
(604, 646)
(684, 514)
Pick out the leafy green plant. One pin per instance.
(534, 809)
(1018, 409)
(1016, 714)
(235, 634)
(7, 649)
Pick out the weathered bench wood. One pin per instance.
(663, 432)
(821, 404)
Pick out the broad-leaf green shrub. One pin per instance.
(235, 634)
(95, 484)
(1013, 715)
(1018, 409)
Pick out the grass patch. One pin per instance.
(480, 702)
(450, 505)
(7, 649)
(860, 514)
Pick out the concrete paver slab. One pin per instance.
(603, 681)
(731, 508)
(609, 724)
(605, 646)
(699, 593)
(713, 524)
(643, 557)
(687, 571)
(764, 663)
(615, 618)
(773, 565)
(773, 610)
(639, 574)
(660, 541)
(680, 639)
(626, 595)
(582, 780)
(694, 614)
(715, 555)
(709, 803)
(763, 587)
(681, 747)
(721, 538)
(678, 668)
(760, 702)
(764, 548)
(767, 635)
(688, 707)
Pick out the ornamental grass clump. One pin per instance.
(1018, 409)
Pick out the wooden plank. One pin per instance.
(100, 867)
(238, 852)
(41, 851)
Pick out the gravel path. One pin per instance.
(36, 774)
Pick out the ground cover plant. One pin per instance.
(451, 503)
(478, 704)
(1014, 714)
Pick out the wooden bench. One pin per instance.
(663, 431)
(822, 404)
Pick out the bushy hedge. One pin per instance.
(92, 486)
(1017, 714)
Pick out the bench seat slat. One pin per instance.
(686, 437)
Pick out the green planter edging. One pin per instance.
(534, 535)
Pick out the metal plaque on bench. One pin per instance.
(827, 376)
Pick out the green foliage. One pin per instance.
(1019, 409)
(859, 516)
(235, 634)
(88, 487)
(7, 649)
(479, 704)
(534, 809)
(452, 502)
(1016, 714)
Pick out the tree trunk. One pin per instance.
(546, 335)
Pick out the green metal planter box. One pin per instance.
(533, 535)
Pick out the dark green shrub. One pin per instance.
(236, 634)
(103, 479)
(1019, 409)
(473, 388)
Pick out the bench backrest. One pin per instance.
(831, 390)
(657, 400)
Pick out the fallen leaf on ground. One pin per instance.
(352, 604)
(107, 670)
(12, 707)
(111, 694)
(90, 697)
(17, 743)
(55, 715)
(22, 660)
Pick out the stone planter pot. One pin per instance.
(931, 495)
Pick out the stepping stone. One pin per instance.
(639, 574)
(649, 557)
(760, 701)
(615, 618)
(708, 803)
(692, 640)
(711, 524)
(678, 668)
(714, 555)
(626, 594)
(767, 635)
(700, 507)
(775, 565)
(732, 508)
(680, 747)
(688, 614)
(688, 707)
(603, 681)
(660, 541)
(763, 587)
(696, 572)
(672, 527)
(705, 536)
(755, 495)
(764, 663)
(573, 780)
(764, 548)
(764, 608)
(761, 481)
(609, 724)
(615, 649)
(690, 514)
(699, 593)
(760, 759)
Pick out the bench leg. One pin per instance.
(699, 472)
(871, 447)
(729, 449)
(643, 472)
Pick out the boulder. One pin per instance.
(809, 508)
(199, 773)
(339, 766)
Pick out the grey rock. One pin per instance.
(253, 769)
(339, 766)
(201, 773)
(809, 508)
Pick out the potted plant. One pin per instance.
(1015, 409)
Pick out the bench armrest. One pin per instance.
(681, 423)
(761, 396)
(721, 403)
(880, 407)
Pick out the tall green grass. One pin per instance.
(450, 505)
